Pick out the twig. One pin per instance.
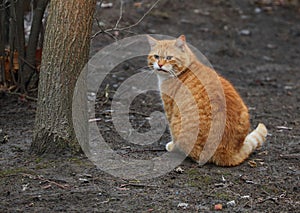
(52, 182)
(147, 150)
(121, 14)
(141, 19)
(290, 156)
(38, 177)
(137, 185)
(25, 96)
(103, 31)
(115, 28)
(137, 113)
(269, 198)
(28, 63)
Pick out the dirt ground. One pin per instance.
(254, 44)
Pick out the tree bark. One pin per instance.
(20, 42)
(2, 44)
(65, 52)
(33, 41)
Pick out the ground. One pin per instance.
(254, 44)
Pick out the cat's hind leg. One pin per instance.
(170, 147)
(253, 141)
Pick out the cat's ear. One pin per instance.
(180, 42)
(152, 41)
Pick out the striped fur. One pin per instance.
(172, 59)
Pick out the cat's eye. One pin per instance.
(169, 57)
(156, 56)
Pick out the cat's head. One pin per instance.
(169, 57)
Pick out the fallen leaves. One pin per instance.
(252, 163)
(182, 205)
(11, 63)
(179, 170)
(45, 183)
(231, 203)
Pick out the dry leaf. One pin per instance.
(252, 163)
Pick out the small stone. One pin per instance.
(271, 46)
(91, 96)
(244, 17)
(267, 58)
(197, 11)
(105, 5)
(83, 180)
(288, 87)
(152, 31)
(218, 207)
(245, 32)
(257, 10)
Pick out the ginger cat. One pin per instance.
(173, 59)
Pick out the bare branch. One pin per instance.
(23, 95)
(103, 30)
(121, 14)
(140, 20)
(116, 28)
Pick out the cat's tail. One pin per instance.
(253, 141)
(256, 138)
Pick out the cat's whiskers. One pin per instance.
(172, 72)
(232, 143)
(148, 70)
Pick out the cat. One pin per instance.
(173, 59)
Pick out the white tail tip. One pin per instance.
(257, 137)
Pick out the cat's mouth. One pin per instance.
(162, 70)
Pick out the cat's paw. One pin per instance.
(170, 146)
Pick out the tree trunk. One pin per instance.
(2, 44)
(36, 27)
(65, 52)
(20, 42)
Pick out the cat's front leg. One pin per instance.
(170, 147)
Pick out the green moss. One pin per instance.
(79, 161)
(193, 173)
(222, 196)
(227, 174)
(198, 180)
(270, 189)
(38, 160)
(15, 171)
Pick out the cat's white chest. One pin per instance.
(161, 78)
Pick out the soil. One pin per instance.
(254, 44)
